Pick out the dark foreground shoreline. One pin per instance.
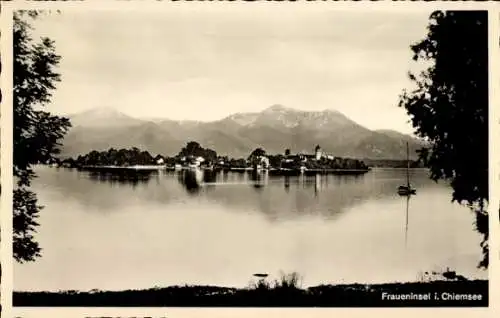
(418, 294)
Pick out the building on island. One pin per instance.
(159, 160)
(264, 162)
(316, 156)
(192, 161)
(261, 162)
(318, 153)
(197, 161)
(300, 158)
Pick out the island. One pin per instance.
(194, 156)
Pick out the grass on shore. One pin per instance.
(284, 292)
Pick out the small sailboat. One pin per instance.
(407, 189)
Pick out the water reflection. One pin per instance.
(276, 197)
(183, 226)
(191, 179)
(287, 184)
(406, 219)
(308, 194)
(124, 177)
(259, 178)
(209, 176)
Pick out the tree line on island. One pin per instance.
(194, 154)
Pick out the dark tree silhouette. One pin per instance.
(195, 149)
(287, 152)
(254, 158)
(259, 152)
(113, 157)
(36, 133)
(192, 149)
(449, 107)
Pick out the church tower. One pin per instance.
(317, 152)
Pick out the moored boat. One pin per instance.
(406, 190)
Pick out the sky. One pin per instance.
(207, 64)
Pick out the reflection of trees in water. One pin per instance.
(196, 179)
(282, 197)
(287, 184)
(225, 176)
(122, 177)
(209, 176)
(324, 194)
(259, 179)
(340, 190)
(300, 195)
(328, 195)
(191, 180)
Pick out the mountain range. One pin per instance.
(274, 129)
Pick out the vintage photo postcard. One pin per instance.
(236, 156)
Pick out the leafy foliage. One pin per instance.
(238, 163)
(259, 152)
(114, 157)
(24, 224)
(36, 132)
(194, 149)
(449, 107)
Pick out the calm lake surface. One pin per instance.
(177, 228)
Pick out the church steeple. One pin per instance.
(317, 152)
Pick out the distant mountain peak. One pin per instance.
(100, 111)
(274, 129)
(331, 111)
(394, 133)
(102, 116)
(278, 108)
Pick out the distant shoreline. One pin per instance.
(271, 171)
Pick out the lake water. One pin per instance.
(172, 228)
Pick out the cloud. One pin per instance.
(177, 63)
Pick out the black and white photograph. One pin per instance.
(242, 156)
